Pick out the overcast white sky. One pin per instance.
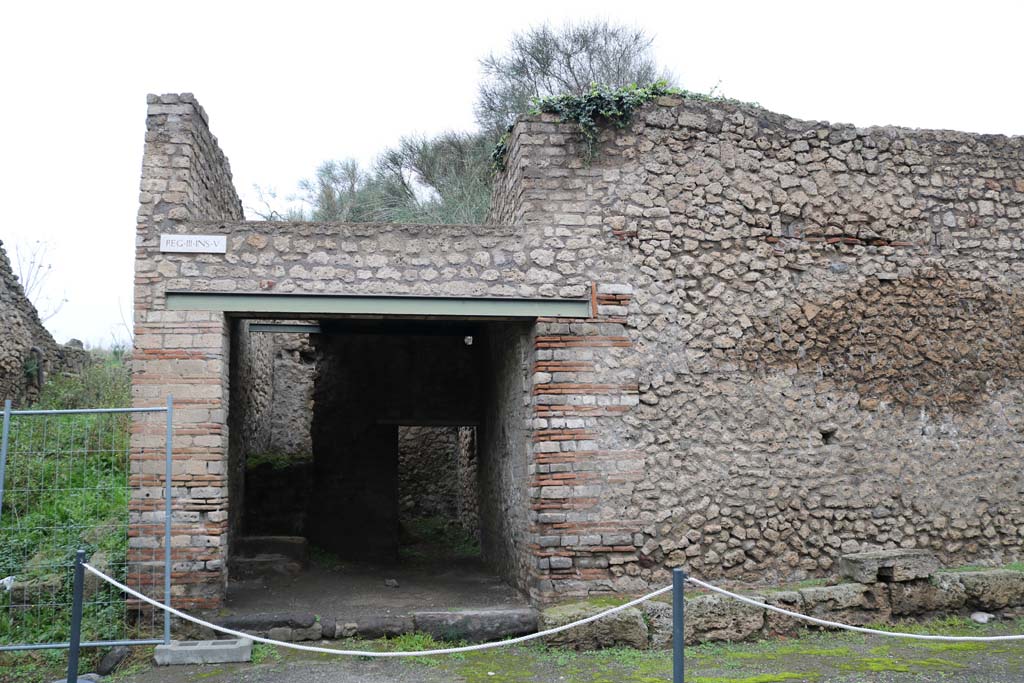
(289, 84)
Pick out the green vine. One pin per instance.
(30, 366)
(500, 151)
(601, 105)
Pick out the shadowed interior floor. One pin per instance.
(348, 590)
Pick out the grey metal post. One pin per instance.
(3, 451)
(168, 473)
(76, 617)
(678, 622)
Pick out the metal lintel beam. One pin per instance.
(320, 304)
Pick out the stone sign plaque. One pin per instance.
(194, 244)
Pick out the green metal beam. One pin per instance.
(283, 327)
(268, 305)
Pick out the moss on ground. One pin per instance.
(760, 678)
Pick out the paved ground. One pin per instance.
(816, 657)
(348, 591)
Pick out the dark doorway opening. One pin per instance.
(375, 448)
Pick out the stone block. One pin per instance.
(942, 593)
(716, 617)
(848, 603)
(626, 628)
(381, 626)
(265, 621)
(658, 616)
(889, 566)
(282, 633)
(993, 590)
(112, 659)
(204, 652)
(779, 624)
(314, 632)
(477, 626)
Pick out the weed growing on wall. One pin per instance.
(602, 105)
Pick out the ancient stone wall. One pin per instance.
(824, 324)
(291, 414)
(251, 378)
(182, 353)
(802, 341)
(270, 420)
(28, 353)
(503, 469)
(429, 472)
(467, 496)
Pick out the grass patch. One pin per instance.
(952, 625)
(956, 647)
(419, 642)
(263, 653)
(776, 652)
(324, 558)
(66, 488)
(759, 678)
(897, 665)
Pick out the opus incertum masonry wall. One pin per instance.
(804, 340)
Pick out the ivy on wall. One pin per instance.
(600, 106)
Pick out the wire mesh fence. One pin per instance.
(65, 485)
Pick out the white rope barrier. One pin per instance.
(847, 627)
(367, 653)
(542, 634)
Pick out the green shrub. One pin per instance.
(105, 384)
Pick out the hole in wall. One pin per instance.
(828, 434)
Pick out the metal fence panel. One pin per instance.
(65, 485)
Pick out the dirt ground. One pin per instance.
(814, 657)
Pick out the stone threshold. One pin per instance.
(470, 625)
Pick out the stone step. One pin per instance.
(477, 625)
(472, 625)
(269, 564)
(294, 547)
(888, 566)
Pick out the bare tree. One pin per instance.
(33, 270)
(550, 61)
(268, 207)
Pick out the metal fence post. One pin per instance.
(678, 622)
(76, 617)
(168, 473)
(3, 451)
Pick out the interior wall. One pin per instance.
(433, 474)
(467, 495)
(502, 447)
(291, 417)
(249, 406)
